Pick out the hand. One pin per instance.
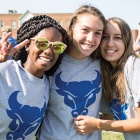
(7, 48)
(85, 124)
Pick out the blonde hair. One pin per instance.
(6, 29)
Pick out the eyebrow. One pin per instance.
(118, 34)
(90, 28)
(115, 34)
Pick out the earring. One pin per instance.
(27, 49)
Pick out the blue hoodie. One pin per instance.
(12, 40)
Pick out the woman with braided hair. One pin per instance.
(24, 86)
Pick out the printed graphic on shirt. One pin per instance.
(78, 95)
(25, 119)
(118, 109)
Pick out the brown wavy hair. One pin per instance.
(113, 81)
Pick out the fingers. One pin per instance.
(4, 52)
(83, 133)
(77, 123)
(6, 47)
(5, 38)
(19, 46)
(82, 125)
(79, 127)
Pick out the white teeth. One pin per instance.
(110, 51)
(88, 46)
(45, 59)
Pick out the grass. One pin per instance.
(108, 135)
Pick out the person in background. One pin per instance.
(24, 85)
(5, 30)
(136, 45)
(75, 89)
(120, 69)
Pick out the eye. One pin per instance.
(117, 38)
(105, 37)
(85, 30)
(98, 33)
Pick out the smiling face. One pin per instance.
(87, 33)
(112, 45)
(40, 61)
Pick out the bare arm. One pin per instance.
(131, 125)
(87, 124)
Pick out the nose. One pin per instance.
(49, 50)
(90, 37)
(110, 42)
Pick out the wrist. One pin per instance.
(98, 122)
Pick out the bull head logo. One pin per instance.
(25, 119)
(78, 95)
(118, 109)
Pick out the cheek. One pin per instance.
(77, 36)
(98, 41)
(32, 49)
(123, 50)
(56, 56)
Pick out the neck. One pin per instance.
(33, 71)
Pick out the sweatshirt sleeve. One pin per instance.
(132, 74)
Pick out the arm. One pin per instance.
(86, 124)
(130, 125)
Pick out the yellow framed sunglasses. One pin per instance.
(43, 44)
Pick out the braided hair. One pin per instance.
(30, 28)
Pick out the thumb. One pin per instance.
(80, 118)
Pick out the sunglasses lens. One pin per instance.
(58, 47)
(42, 43)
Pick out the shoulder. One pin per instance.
(132, 65)
(7, 65)
(133, 60)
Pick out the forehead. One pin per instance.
(90, 21)
(50, 33)
(112, 27)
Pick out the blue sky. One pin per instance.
(129, 10)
